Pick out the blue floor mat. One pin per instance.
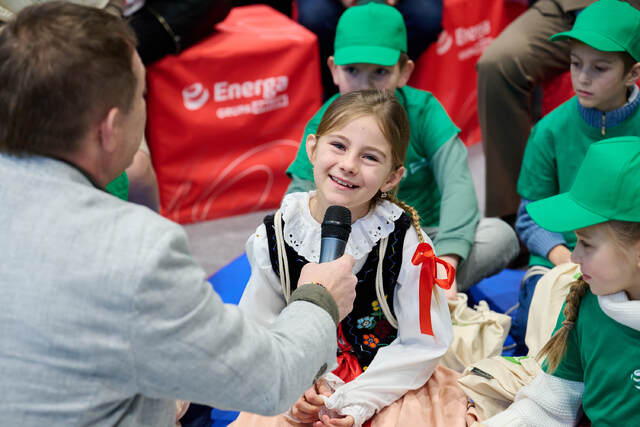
(230, 280)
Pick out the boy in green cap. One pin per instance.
(370, 53)
(605, 50)
(593, 359)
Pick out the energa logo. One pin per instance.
(195, 96)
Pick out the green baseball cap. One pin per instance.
(606, 187)
(372, 34)
(609, 26)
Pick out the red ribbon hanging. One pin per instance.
(428, 275)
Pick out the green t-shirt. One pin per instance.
(555, 149)
(119, 187)
(605, 356)
(430, 128)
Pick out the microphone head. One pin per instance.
(336, 223)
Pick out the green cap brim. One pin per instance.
(596, 41)
(366, 55)
(562, 213)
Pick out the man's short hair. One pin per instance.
(62, 68)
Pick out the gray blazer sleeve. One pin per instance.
(186, 343)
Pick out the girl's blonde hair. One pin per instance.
(622, 233)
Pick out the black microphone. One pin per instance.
(335, 230)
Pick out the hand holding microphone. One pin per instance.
(335, 271)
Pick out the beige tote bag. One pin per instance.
(478, 333)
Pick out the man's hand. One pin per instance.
(337, 277)
(307, 407)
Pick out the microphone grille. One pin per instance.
(336, 223)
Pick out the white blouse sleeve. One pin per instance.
(547, 402)
(262, 298)
(408, 362)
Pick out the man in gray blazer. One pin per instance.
(106, 319)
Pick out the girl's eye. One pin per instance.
(370, 157)
(600, 69)
(338, 145)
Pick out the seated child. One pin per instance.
(593, 358)
(605, 50)
(400, 325)
(437, 180)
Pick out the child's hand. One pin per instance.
(452, 292)
(327, 421)
(307, 407)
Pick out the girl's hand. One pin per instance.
(307, 407)
(327, 421)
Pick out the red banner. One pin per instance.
(226, 116)
(447, 68)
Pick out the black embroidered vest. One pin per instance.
(366, 329)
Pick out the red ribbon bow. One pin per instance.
(428, 275)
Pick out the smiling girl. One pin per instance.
(392, 340)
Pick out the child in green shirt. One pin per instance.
(370, 53)
(593, 358)
(605, 50)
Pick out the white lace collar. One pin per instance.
(619, 308)
(302, 231)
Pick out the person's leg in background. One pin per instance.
(510, 68)
(423, 19)
(519, 324)
(495, 245)
(321, 18)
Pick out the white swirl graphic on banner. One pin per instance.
(444, 43)
(195, 96)
(232, 173)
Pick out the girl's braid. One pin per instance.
(415, 218)
(556, 347)
(415, 221)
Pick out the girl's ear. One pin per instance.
(311, 147)
(393, 179)
(633, 75)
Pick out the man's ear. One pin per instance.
(334, 70)
(108, 130)
(310, 145)
(633, 75)
(393, 179)
(405, 72)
